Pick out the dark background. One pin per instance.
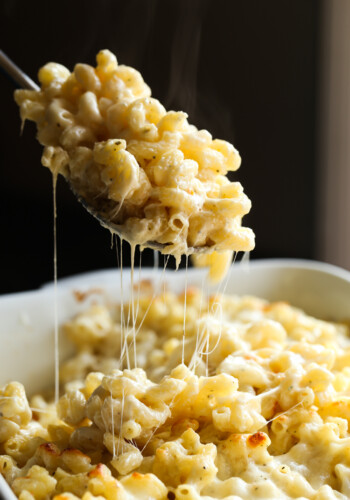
(246, 70)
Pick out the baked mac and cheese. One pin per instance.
(159, 179)
(252, 403)
(259, 409)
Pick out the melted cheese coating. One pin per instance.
(259, 409)
(159, 179)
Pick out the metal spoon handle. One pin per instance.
(14, 72)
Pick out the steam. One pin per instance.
(200, 99)
(185, 56)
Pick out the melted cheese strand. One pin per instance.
(184, 322)
(57, 354)
(193, 364)
(223, 283)
(124, 333)
(116, 248)
(136, 313)
(207, 352)
(280, 414)
(132, 248)
(153, 297)
(139, 282)
(40, 410)
(155, 259)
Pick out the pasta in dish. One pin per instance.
(159, 179)
(253, 404)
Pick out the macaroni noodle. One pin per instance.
(258, 410)
(148, 171)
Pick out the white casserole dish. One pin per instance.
(27, 319)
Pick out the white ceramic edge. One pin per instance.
(105, 274)
(5, 491)
(322, 290)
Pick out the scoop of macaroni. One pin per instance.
(253, 405)
(159, 179)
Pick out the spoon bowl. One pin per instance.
(22, 80)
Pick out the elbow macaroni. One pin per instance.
(150, 172)
(252, 404)
(256, 410)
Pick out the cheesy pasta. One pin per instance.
(258, 409)
(157, 178)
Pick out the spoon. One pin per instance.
(24, 81)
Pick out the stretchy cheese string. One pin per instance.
(124, 346)
(206, 341)
(184, 322)
(57, 356)
(132, 248)
(115, 239)
(40, 410)
(193, 362)
(198, 350)
(125, 350)
(202, 338)
(280, 414)
(152, 299)
(155, 259)
(139, 283)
